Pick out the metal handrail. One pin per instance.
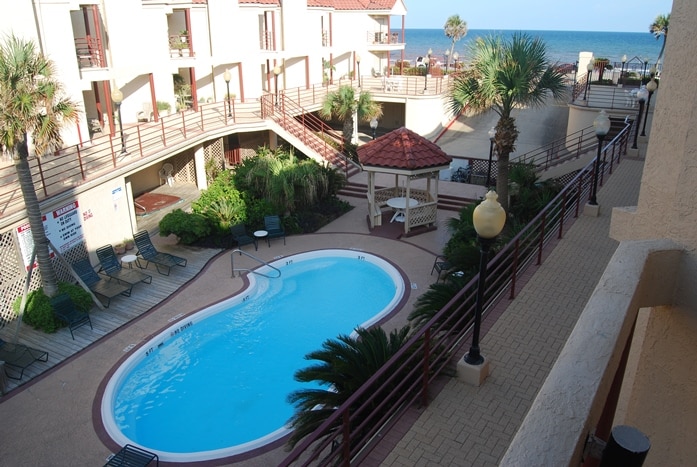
(347, 436)
(261, 261)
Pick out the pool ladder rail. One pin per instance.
(261, 261)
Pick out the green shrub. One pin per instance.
(38, 312)
(188, 227)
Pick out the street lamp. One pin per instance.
(602, 127)
(589, 67)
(650, 87)
(641, 95)
(276, 72)
(624, 61)
(646, 64)
(492, 137)
(428, 67)
(358, 63)
(456, 56)
(227, 78)
(374, 125)
(447, 60)
(488, 218)
(117, 98)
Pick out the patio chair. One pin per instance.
(111, 266)
(131, 455)
(64, 309)
(441, 265)
(274, 227)
(147, 251)
(98, 284)
(165, 174)
(18, 357)
(240, 235)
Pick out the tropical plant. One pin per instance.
(32, 105)
(188, 227)
(659, 28)
(436, 297)
(343, 103)
(455, 29)
(345, 364)
(39, 312)
(505, 74)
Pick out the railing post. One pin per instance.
(514, 268)
(424, 376)
(164, 139)
(562, 215)
(183, 124)
(111, 145)
(580, 192)
(602, 171)
(79, 161)
(200, 110)
(542, 239)
(346, 442)
(140, 141)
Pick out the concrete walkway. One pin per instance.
(467, 425)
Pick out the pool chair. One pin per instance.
(240, 235)
(147, 251)
(274, 227)
(64, 309)
(111, 266)
(132, 456)
(440, 265)
(99, 284)
(19, 357)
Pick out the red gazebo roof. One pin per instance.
(402, 149)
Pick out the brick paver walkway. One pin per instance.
(466, 425)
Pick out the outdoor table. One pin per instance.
(399, 205)
(260, 235)
(129, 260)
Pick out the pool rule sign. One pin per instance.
(63, 228)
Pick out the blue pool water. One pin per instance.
(215, 384)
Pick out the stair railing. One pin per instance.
(253, 271)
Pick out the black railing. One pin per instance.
(349, 434)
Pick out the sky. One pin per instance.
(544, 15)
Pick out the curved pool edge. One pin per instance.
(112, 436)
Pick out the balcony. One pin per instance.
(180, 45)
(90, 52)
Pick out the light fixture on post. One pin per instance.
(601, 124)
(374, 125)
(646, 65)
(358, 64)
(276, 72)
(117, 98)
(589, 67)
(456, 57)
(624, 61)
(428, 68)
(492, 138)
(447, 60)
(650, 87)
(641, 95)
(488, 218)
(227, 77)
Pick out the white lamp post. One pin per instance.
(602, 127)
(227, 77)
(641, 95)
(117, 98)
(358, 64)
(589, 67)
(428, 68)
(488, 218)
(456, 57)
(492, 138)
(374, 125)
(650, 87)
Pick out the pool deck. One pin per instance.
(56, 416)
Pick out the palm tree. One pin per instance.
(32, 107)
(455, 29)
(503, 75)
(345, 365)
(659, 28)
(343, 103)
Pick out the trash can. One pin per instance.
(627, 447)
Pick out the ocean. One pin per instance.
(562, 46)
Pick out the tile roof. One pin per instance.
(402, 149)
(336, 4)
(261, 2)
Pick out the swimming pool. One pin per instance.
(215, 383)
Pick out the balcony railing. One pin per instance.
(382, 37)
(180, 46)
(90, 52)
(349, 434)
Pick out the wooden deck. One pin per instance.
(186, 191)
(144, 297)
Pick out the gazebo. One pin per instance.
(403, 153)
